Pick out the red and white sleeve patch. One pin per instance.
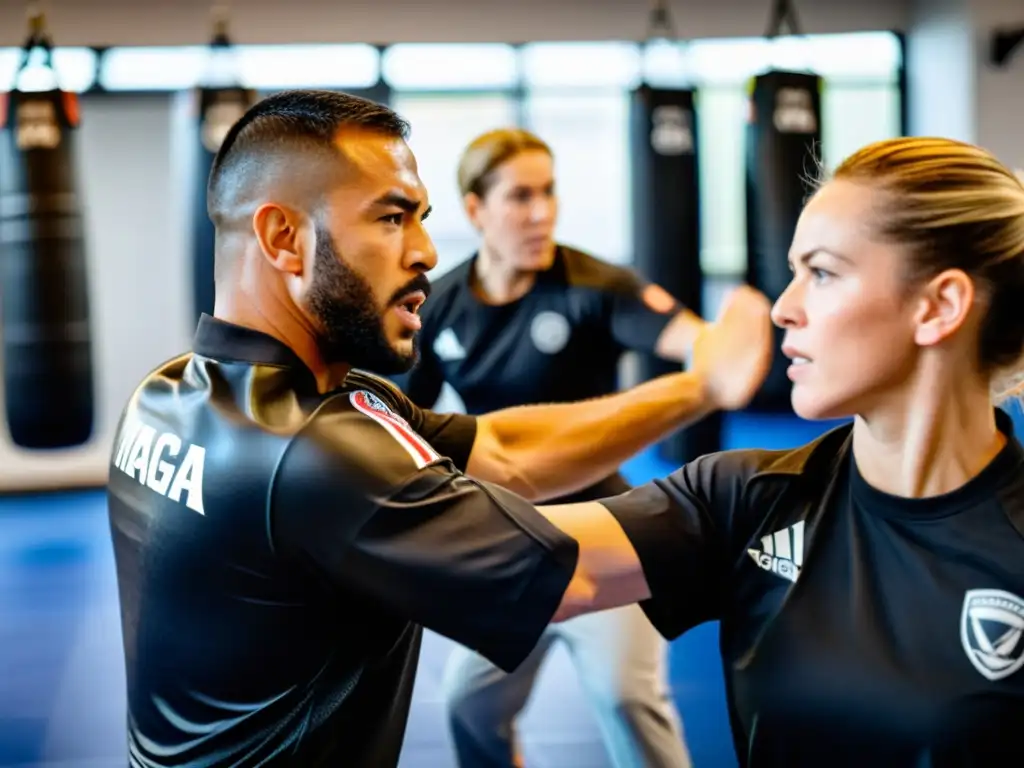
(418, 449)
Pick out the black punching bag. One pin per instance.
(47, 355)
(217, 109)
(666, 227)
(782, 151)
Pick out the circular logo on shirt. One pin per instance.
(992, 632)
(549, 332)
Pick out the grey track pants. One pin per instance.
(621, 662)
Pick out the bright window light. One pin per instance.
(153, 69)
(270, 67)
(430, 66)
(728, 61)
(869, 55)
(75, 70)
(308, 66)
(666, 64)
(854, 56)
(581, 65)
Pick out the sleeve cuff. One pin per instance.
(462, 432)
(651, 524)
(537, 606)
(541, 596)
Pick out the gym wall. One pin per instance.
(999, 92)
(954, 87)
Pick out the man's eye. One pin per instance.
(393, 218)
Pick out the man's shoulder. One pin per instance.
(359, 380)
(362, 433)
(173, 368)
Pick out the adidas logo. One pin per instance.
(447, 346)
(782, 552)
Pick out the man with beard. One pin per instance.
(285, 524)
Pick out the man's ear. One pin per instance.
(945, 304)
(279, 235)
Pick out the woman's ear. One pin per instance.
(472, 203)
(946, 302)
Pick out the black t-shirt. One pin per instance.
(561, 342)
(279, 550)
(857, 628)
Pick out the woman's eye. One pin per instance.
(820, 274)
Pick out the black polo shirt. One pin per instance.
(559, 343)
(279, 550)
(857, 628)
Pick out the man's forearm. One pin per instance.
(552, 450)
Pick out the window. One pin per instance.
(860, 104)
(454, 67)
(442, 126)
(153, 68)
(873, 56)
(261, 67)
(278, 67)
(581, 65)
(74, 69)
(721, 133)
(577, 100)
(589, 135)
(855, 115)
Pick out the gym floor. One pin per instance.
(62, 679)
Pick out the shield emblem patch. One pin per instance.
(992, 632)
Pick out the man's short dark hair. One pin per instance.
(298, 119)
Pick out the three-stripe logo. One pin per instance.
(782, 552)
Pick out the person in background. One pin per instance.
(529, 320)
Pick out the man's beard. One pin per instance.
(351, 324)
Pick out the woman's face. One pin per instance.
(516, 217)
(852, 327)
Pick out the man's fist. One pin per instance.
(734, 353)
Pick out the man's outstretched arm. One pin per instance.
(545, 451)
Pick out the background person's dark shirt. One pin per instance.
(559, 343)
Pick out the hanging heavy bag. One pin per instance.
(783, 141)
(666, 227)
(46, 340)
